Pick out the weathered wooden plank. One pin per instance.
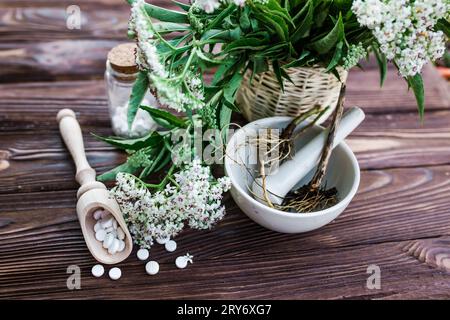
(31, 24)
(56, 60)
(382, 141)
(391, 205)
(34, 263)
(363, 89)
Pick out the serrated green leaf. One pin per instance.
(138, 92)
(111, 174)
(304, 28)
(164, 118)
(326, 43)
(166, 15)
(336, 57)
(150, 140)
(221, 16)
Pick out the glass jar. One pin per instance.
(121, 72)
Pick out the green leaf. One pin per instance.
(221, 16)
(166, 15)
(164, 118)
(277, 71)
(305, 27)
(246, 44)
(111, 174)
(167, 27)
(416, 83)
(275, 22)
(150, 140)
(325, 44)
(382, 64)
(138, 92)
(304, 57)
(182, 5)
(336, 57)
(205, 58)
(225, 118)
(444, 26)
(230, 89)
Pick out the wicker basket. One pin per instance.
(312, 86)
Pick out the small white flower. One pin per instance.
(404, 30)
(209, 6)
(196, 199)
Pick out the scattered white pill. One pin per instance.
(171, 246)
(121, 245)
(97, 214)
(120, 233)
(152, 267)
(109, 238)
(114, 247)
(100, 235)
(115, 273)
(181, 262)
(97, 270)
(162, 240)
(143, 254)
(97, 226)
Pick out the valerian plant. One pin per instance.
(176, 49)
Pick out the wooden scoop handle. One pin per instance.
(71, 134)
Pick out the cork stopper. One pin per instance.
(122, 58)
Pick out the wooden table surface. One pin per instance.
(399, 220)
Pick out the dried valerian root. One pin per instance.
(313, 196)
(307, 200)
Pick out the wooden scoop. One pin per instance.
(92, 195)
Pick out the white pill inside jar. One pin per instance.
(97, 270)
(114, 224)
(115, 273)
(100, 235)
(143, 254)
(152, 267)
(171, 246)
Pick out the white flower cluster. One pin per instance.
(404, 30)
(209, 6)
(194, 197)
(170, 93)
(354, 54)
(147, 56)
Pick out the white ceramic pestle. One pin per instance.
(306, 159)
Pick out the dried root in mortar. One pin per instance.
(313, 196)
